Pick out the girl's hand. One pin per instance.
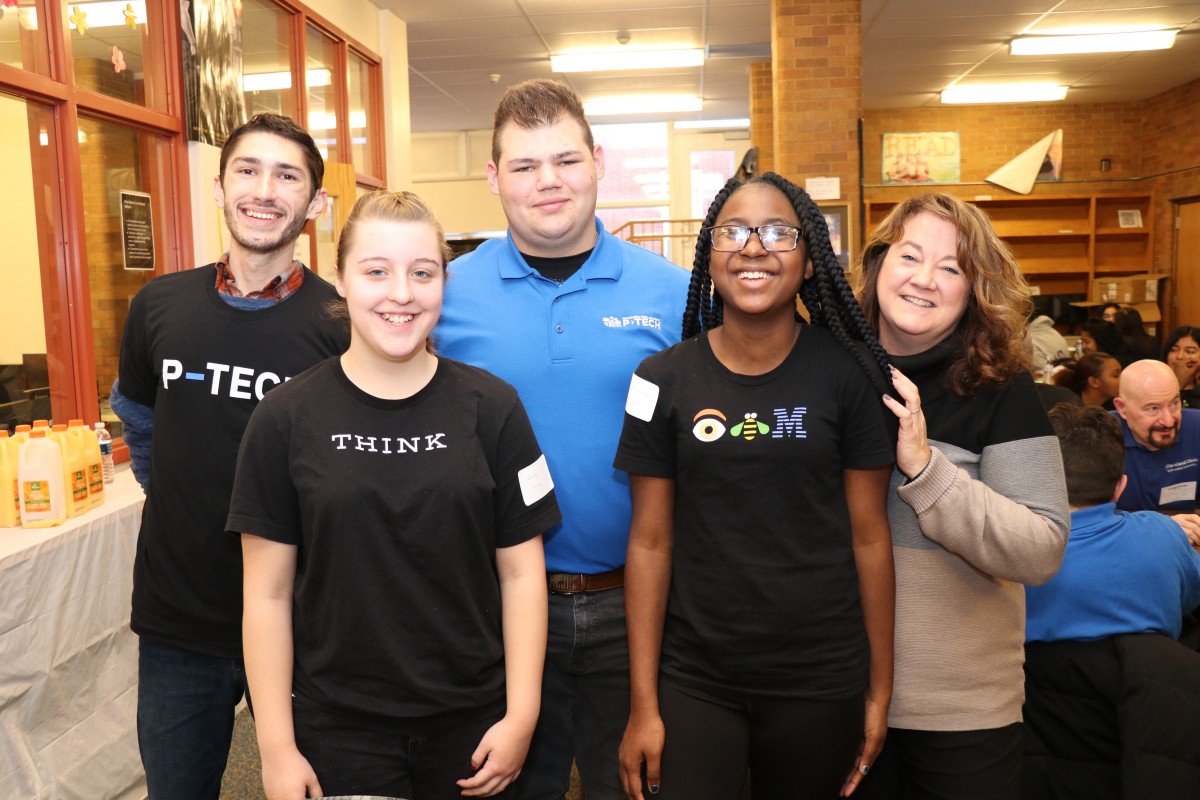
(912, 446)
(288, 776)
(641, 744)
(498, 759)
(1185, 372)
(874, 732)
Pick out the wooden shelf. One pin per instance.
(1063, 242)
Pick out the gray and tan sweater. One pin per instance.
(987, 515)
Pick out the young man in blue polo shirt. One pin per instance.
(1122, 572)
(565, 312)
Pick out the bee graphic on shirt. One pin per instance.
(750, 427)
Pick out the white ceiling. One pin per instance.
(912, 49)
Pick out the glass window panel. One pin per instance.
(322, 93)
(710, 170)
(267, 58)
(635, 162)
(364, 147)
(115, 159)
(27, 280)
(23, 38)
(112, 42)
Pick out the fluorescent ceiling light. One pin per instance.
(1117, 42)
(642, 104)
(276, 81)
(612, 60)
(1004, 93)
(711, 124)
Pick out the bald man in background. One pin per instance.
(1162, 445)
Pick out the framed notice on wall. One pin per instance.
(921, 157)
(137, 231)
(837, 218)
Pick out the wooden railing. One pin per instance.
(674, 239)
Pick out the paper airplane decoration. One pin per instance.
(1043, 161)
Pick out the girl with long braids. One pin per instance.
(758, 580)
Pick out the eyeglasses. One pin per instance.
(776, 238)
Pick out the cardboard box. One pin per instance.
(1127, 289)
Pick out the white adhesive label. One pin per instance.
(643, 397)
(535, 481)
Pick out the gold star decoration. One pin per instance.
(130, 16)
(79, 18)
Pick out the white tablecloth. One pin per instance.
(68, 661)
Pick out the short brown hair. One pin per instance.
(1093, 452)
(283, 127)
(992, 328)
(534, 104)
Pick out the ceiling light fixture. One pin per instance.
(625, 59)
(642, 104)
(711, 124)
(1113, 42)
(1003, 93)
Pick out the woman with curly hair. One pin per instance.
(978, 504)
(758, 581)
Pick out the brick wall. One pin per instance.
(1172, 156)
(762, 115)
(817, 90)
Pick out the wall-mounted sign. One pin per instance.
(137, 231)
(921, 157)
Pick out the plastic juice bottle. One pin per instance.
(42, 423)
(10, 507)
(91, 454)
(21, 433)
(74, 470)
(40, 479)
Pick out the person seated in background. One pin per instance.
(1162, 445)
(1182, 354)
(1044, 344)
(1133, 332)
(1098, 336)
(1123, 572)
(1109, 312)
(1097, 379)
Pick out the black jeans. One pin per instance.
(795, 749)
(354, 759)
(947, 765)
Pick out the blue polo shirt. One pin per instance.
(1163, 480)
(1122, 573)
(570, 351)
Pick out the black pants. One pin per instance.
(795, 749)
(352, 759)
(947, 765)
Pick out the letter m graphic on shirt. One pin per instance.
(790, 424)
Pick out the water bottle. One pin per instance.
(106, 461)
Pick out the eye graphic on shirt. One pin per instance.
(749, 427)
(710, 425)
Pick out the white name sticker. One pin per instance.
(535, 481)
(1178, 492)
(643, 397)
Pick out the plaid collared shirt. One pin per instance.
(280, 286)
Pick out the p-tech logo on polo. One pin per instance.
(239, 383)
(633, 321)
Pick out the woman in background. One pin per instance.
(1097, 379)
(391, 505)
(1099, 336)
(978, 504)
(1181, 351)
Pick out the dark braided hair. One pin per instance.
(827, 295)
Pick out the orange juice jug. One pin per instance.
(74, 470)
(91, 459)
(10, 507)
(40, 480)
